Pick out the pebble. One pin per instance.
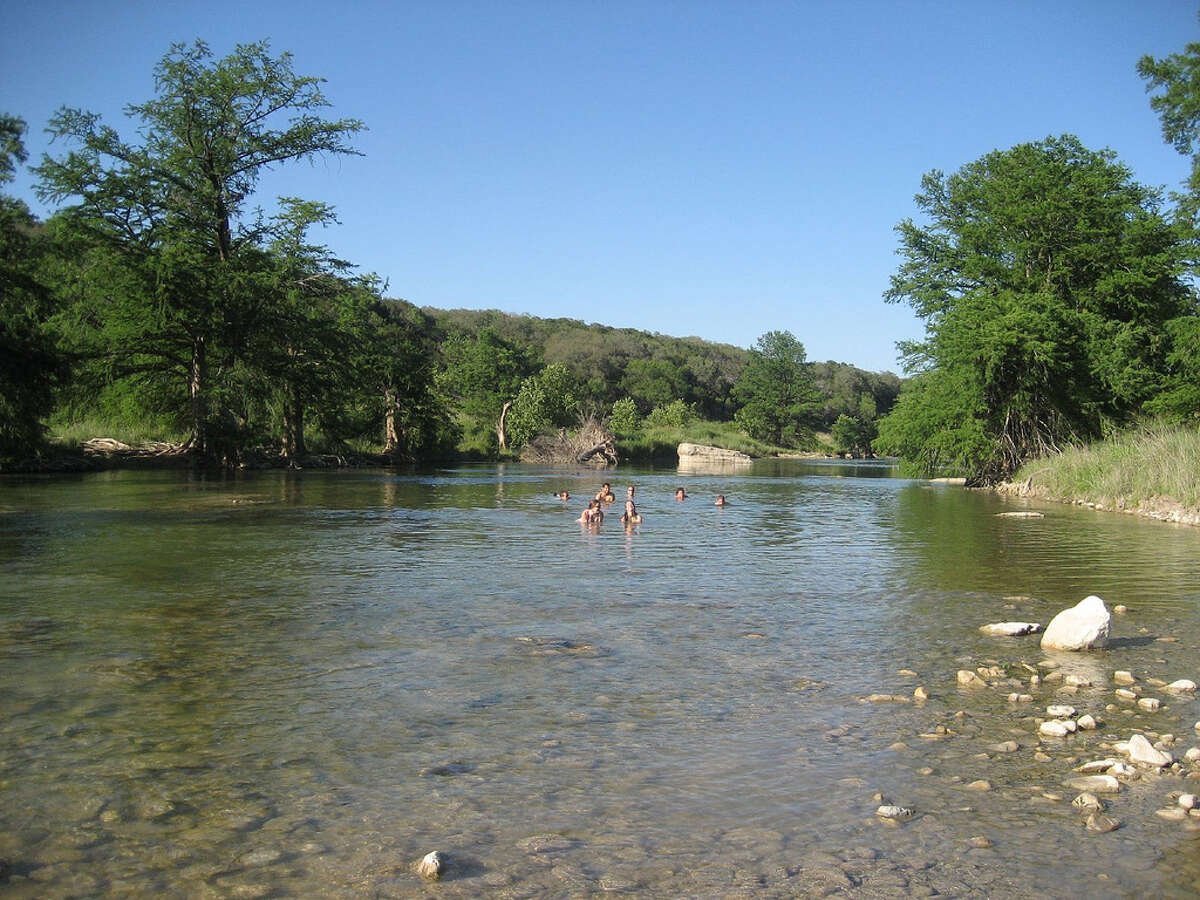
(920, 693)
(1174, 814)
(1188, 801)
(1140, 750)
(1122, 677)
(1094, 784)
(1060, 711)
(981, 784)
(1057, 727)
(1125, 694)
(1087, 722)
(1150, 704)
(1102, 824)
(1193, 754)
(1020, 698)
(1120, 609)
(1096, 766)
(1182, 686)
(967, 678)
(1078, 681)
(1088, 800)
(979, 841)
(897, 813)
(1005, 747)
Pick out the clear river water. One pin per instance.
(297, 684)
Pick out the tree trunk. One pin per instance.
(391, 437)
(293, 430)
(198, 397)
(501, 434)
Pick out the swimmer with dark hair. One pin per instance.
(593, 515)
(721, 501)
(563, 495)
(680, 494)
(631, 515)
(606, 495)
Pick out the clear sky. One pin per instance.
(719, 169)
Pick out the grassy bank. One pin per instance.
(1154, 470)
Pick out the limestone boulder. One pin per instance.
(1085, 626)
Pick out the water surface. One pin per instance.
(296, 684)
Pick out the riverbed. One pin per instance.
(297, 684)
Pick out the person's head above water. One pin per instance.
(721, 500)
(680, 494)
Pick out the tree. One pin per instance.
(481, 374)
(776, 392)
(174, 210)
(545, 400)
(1045, 275)
(31, 365)
(1178, 106)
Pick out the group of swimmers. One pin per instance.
(594, 513)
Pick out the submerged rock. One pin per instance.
(1082, 627)
(967, 678)
(896, 813)
(1011, 629)
(1094, 784)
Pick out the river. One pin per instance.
(297, 684)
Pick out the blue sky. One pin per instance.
(718, 169)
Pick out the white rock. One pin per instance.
(1140, 750)
(1182, 686)
(1057, 727)
(1125, 694)
(1193, 754)
(1188, 801)
(1087, 722)
(1077, 681)
(1082, 627)
(1011, 629)
(1095, 784)
(1150, 704)
(894, 812)
(1122, 677)
(430, 866)
(1060, 711)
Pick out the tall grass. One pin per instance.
(1144, 466)
(70, 433)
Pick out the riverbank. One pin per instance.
(1152, 472)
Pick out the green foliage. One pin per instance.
(173, 280)
(776, 390)
(31, 365)
(625, 419)
(675, 414)
(1044, 276)
(543, 401)
(1177, 77)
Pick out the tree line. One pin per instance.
(161, 292)
(1055, 289)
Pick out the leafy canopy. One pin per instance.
(1044, 274)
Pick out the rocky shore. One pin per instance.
(1163, 509)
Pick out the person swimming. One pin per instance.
(563, 495)
(721, 501)
(593, 515)
(606, 495)
(680, 494)
(629, 492)
(631, 515)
